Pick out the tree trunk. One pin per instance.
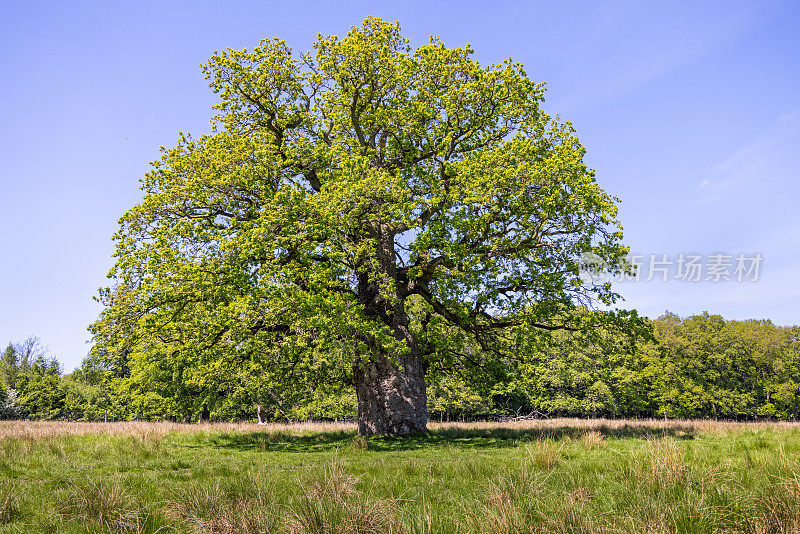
(390, 400)
(258, 413)
(205, 416)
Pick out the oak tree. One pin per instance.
(350, 204)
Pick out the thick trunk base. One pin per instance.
(390, 400)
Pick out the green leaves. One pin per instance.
(337, 187)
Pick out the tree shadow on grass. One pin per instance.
(463, 438)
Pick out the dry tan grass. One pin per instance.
(666, 466)
(680, 425)
(590, 428)
(593, 439)
(33, 430)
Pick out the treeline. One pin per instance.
(697, 367)
(33, 387)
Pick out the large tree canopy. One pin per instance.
(350, 205)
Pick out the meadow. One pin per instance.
(562, 475)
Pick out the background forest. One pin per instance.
(699, 366)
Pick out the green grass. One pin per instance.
(562, 476)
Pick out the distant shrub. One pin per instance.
(9, 404)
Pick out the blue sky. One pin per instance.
(690, 113)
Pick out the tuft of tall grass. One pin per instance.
(240, 506)
(593, 439)
(353, 515)
(104, 504)
(332, 505)
(779, 511)
(544, 453)
(661, 467)
(335, 484)
(8, 502)
(569, 519)
(500, 514)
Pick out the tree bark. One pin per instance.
(391, 400)
(258, 413)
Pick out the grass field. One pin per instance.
(554, 476)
